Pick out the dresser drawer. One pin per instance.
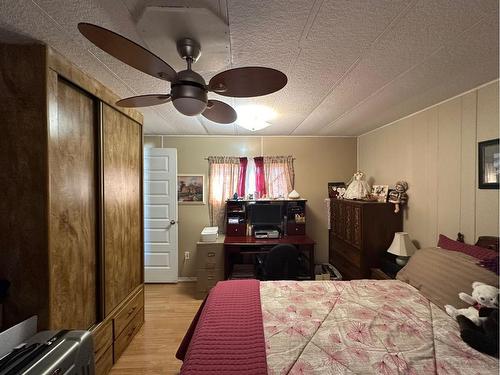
(128, 333)
(210, 256)
(125, 315)
(104, 364)
(348, 252)
(348, 270)
(103, 338)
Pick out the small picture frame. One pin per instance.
(489, 164)
(191, 189)
(393, 196)
(336, 189)
(380, 192)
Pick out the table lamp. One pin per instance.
(402, 247)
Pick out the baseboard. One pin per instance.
(187, 279)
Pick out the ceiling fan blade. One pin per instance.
(247, 82)
(127, 51)
(220, 112)
(144, 100)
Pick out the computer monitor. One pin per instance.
(266, 214)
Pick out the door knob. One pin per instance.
(172, 222)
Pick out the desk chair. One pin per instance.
(282, 263)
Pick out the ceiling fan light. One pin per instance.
(189, 106)
(190, 100)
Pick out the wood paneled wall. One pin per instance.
(436, 152)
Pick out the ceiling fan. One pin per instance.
(188, 90)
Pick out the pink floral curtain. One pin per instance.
(223, 175)
(279, 175)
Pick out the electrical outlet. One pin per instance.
(187, 255)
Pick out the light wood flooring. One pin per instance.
(169, 311)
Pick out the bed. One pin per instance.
(339, 327)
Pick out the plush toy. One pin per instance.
(484, 338)
(483, 295)
(479, 323)
(399, 196)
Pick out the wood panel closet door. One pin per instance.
(73, 218)
(122, 160)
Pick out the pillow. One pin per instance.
(474, 251)
(441, 274)
(490, 264)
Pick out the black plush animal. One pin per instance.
(483, 338)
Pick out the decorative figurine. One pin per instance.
(235, 196)
(399, 196)
(358, 188)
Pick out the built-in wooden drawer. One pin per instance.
(128, 333)
(350, 253)
(103, 338)
(104, 364)
(127, 312)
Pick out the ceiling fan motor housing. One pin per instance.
(189, 93)
(189, 49)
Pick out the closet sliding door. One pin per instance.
(122, 176)
(72, 206)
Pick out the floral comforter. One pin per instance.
(361, 327)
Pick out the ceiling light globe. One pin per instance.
(189, 106)
(189, 100)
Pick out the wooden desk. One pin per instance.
(249, 245)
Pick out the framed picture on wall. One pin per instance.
(191, 188)
(489, 164)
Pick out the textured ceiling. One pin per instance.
(352, 65)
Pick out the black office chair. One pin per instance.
(282, 263)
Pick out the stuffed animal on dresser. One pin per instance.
(479, 323)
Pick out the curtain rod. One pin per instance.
(245, 157)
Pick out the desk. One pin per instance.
(248, 245)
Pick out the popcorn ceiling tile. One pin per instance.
(406, 45)
(446, 74)
(339, 82)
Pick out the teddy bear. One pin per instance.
(483, 295)
(479, 327)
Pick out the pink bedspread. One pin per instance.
(362, 327)
(227, 337)
(327, 327)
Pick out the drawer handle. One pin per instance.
(131, 311)
(131, 331)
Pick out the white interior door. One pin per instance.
(160, 215)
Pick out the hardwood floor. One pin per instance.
(169, 309)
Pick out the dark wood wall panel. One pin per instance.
(122, 206)
(72, 150)
(23, 182)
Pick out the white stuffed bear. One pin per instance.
(483, 295)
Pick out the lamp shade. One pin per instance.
(401, 245)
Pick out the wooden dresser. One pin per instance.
(71, 210)
(360, 233)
